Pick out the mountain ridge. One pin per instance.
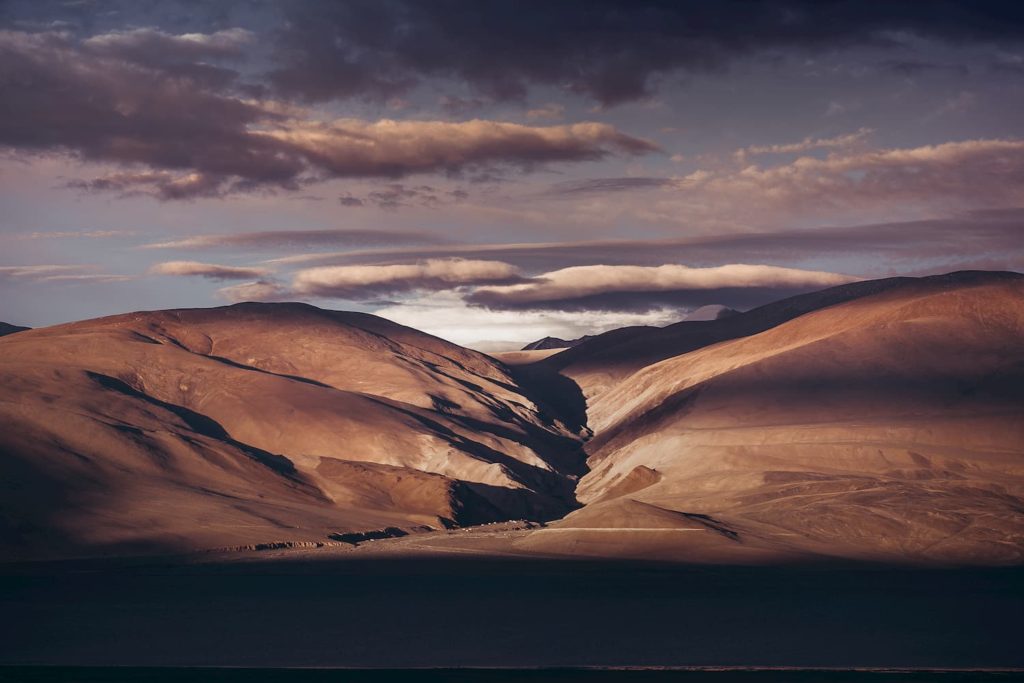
(256, 424)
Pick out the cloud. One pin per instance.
(551, 110)
(963, 102)
(162, 184)
(602, 186)
(185, 55)
(349, 201)
(75, 234)
(59, 97)
(260, 290)
(365, 282)
(603, 287)
(41, 271)
(808, 144)
(393, 149)
(952, 175)
(177, 135)
(877, 246)
(446, 315)
(210, 271)
(848, 185)
(396, 195)
(597, 48)
(152, 46)
(59, 273)
(292, 239)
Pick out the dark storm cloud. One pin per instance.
(59, 97)
(183, 136)
(611, 51)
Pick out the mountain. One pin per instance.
(713, 312)
(185, 429)
(878, 421)
(554, 343)
(608, 358)
(7, 328)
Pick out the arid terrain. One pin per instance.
(833, 480)
(878, 421)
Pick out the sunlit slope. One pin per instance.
(255, 423)
(888, 427)
(599, 363)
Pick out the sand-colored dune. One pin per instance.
(889, 427)
(251, 423)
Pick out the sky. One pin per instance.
(497, 171)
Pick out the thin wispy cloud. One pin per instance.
(75, 234)
(60, 273)
(809, 144)
(394, 196)
(955, 175)
(298, 239)
(210, 271)
(603, 186)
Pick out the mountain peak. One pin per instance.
(555, 343)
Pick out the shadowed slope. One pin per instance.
(7, 328)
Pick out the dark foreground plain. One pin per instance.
(242, 675)
(505, 613)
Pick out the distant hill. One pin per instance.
(7, 328)
(713, 312)
(704, 313)
(554, 343)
